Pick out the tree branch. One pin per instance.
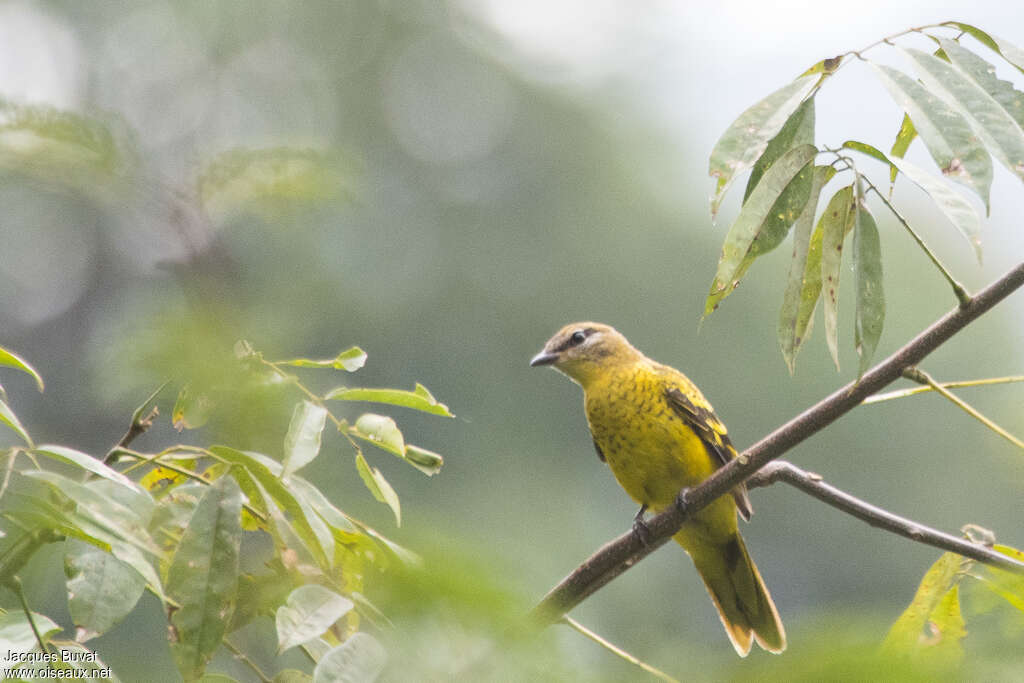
(813, 485)
(623, 552)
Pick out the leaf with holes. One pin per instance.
(203, 577)
(867, 268)
(777, 200)
(947, 135)
(999, 131)
(747, 137)
(836, 223)
(791, 330)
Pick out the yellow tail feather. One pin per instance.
(743, 602)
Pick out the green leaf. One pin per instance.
(870, 150)
(269, 480)
(191, 410)
(241, 176)
(381, 431)
(836, 222)
(904, 137)
(825, 66)
(418, 399)
(59, 147)
(141, 412)
(981, 72)
(957, 209)
(946, 624)
(425, 461)
(1000, 132)
(292, 676)
(379, 486)
(203, 577)
(323, 507)
(351, 359)
(110, 516)
(905, 635)
(1010, 52)
(8, 417)
(786, 184)
(360, 659)
(948, 136)
(102, 589)
(11, 360)
(16, 634)
(1007, 585)
(867, 266)
(747, 138)
(310, 611)
(302, 442)
(799, 130)
(91, 514)
(87, 463)
(791, 328)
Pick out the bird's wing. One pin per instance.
(697, 413)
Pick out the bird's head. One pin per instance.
(582, 350)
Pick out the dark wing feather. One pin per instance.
(712, 432)
(598, 449)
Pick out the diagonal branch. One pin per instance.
(623, 552)
(812, 484)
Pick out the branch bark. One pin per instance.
(623, 552)
(813, 485)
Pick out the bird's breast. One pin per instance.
(650, 450)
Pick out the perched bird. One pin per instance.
(658, 434)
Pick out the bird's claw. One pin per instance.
(681, 503)
(640, 528)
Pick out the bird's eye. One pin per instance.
(577, 337)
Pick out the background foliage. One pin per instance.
(470, 178)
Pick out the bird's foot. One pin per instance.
(681, 503)
(640, 529)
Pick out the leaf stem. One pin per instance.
(15, 584)
(244, 658)
(611, 647)
(888, 41)
(961, 293)
(921, 377)
(903, 393)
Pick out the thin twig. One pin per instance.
(626, 550)
(922, 377)
(611, 647)
(913, 391)
(185, 472)
(15, 585)
(888, 40)
(812, 484)
(244, 658)
(142, 420)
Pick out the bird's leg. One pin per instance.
(681, 504)
(640, 530)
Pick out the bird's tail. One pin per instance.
(739, 593)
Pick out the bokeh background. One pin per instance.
(505, 167)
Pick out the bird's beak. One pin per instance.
(543, 358)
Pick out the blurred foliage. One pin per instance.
(179, 532)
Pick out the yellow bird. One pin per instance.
(659, 435)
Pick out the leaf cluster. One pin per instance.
(174, 522)
(961, 111)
